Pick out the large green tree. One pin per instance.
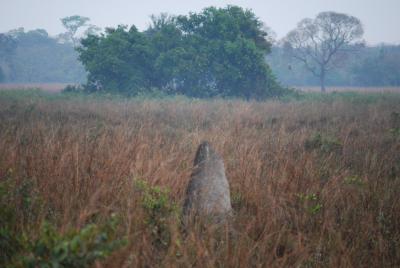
(217, 52)
(229, 46)
(119, 60)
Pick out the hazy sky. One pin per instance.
(380, 18)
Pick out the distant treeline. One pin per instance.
(34, 56)
(367, 66)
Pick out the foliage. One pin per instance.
(311, 203)
(7, 51)
(76, 248)
(325, 144)
(10, 243)
(354, 180)
(2, 76)
(7, 46)
(72, 24)
(159, 209)
(20, 247)
(380, 68)
(192, 62)
(365, 66)
(218, 52)
(73, 89)
(120, 61)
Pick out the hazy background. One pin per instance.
(380, 17)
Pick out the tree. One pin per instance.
(7, 46)
(218, 52)
(229, 45)
(119, 61)
(2, 76)
(7, 50)
(379, 67)
(34, 56)
(72, 25)
(320, 44)
(91, 30)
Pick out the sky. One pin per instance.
(379, 17)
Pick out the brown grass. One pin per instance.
(49, 87)
(331, 203)
(349, 88)
(57, 87)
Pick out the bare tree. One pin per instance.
(73, 24)
(321, 42)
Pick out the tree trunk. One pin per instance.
(322, 80)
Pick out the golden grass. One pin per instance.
(349, 88)
(49, 87)
(299, 201)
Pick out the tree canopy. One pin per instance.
(319, 43)
(212, 53)
(217, 52)
(73, 25)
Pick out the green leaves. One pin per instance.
(325, 144)
(218, 52)
(76, 248)
(311, 203)
(49, 248)
(159, 210)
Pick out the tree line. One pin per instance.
(368, 66)
(35, 56)
(216, 52)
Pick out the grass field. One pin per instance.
(314, 182)
(48, 87)
(58, 87)
(349, 88)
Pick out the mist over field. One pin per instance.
(42, 47)
(244, 134)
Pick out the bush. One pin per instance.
(159, 210)
(325, 144)
(75, 248)
(73, 89)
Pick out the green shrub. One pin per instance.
(237, 200)
(20, 248)
(354, 180)
(73, 89)
(159, 209)
(11, 244)
(325, 144)
(311, 202)
(18, 204)
(76, 248)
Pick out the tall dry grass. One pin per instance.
(313, 184)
